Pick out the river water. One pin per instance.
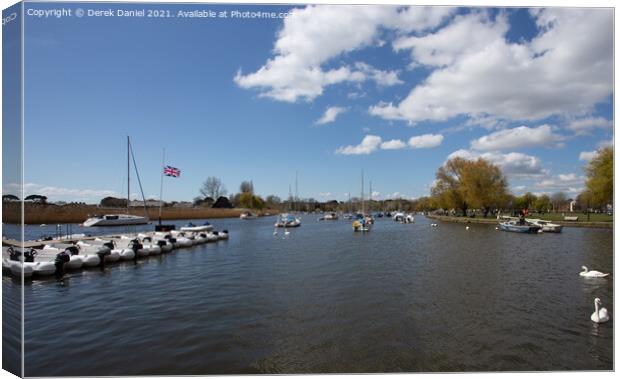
(402, 298)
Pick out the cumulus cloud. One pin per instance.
(368, 145)
(587, 124)
(565, 70)
(54, 193)
(330, 115)
(587, 155)
(425, 141)
(394, 144)
(313, 36)
(515, 138)
(372, 143)
(512, 164)
(567, 177)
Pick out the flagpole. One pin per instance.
(161, 185)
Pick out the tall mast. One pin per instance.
(296, 191)
(161, 185)
(128, 176)
(370, 198)
(362, 191)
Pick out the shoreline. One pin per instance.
(489, 221)
(36, 214)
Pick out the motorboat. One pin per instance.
(547, 227)
(247, 216)
(519, 227)
(287, 220)
(330, 216)
(403, 218)
(206, 227)
(115, 220)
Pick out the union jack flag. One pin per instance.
(172, 171)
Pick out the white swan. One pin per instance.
(433, 225)
(591, 274)
(599, 315)
(467, 228)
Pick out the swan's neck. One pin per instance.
(585, 269)
(596, 308)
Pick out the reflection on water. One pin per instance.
(325, 299)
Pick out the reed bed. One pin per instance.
(64, 214)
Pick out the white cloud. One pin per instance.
(368, 145)
(376, 194)
(515, 138)
(330, 115)
(587, 155)
(325, 194)
(425, 141)
(565, 70)
(512, 164)
(315, 35)
(382, 78)
(567, 177)
(466, 34)
(394, 144)
(54, 193)
(372, 143)
(585, 125)
(606, 143)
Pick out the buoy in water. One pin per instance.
(467, 228)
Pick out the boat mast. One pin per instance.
(128, 175)
(296, 192)
(161, 184)
(370, 198)
(363, 192)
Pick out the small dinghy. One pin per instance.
(223, 235)
(197, 228)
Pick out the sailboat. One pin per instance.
(289, 220)
(121, 219)
(361, 224)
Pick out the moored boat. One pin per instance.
(206, 227)
(518, 227)
(115, 220)
(287, 220)
(547, 227)
(247, 216)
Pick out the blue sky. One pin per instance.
(328, 91)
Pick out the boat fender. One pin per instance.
(73, 250)
(13, 255)
(102, 255)
(29, 255)
(59, 262)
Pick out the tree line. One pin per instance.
(462, 185)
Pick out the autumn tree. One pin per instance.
(543, 203)
(600, 177)
(464, 184)
(447, 189)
